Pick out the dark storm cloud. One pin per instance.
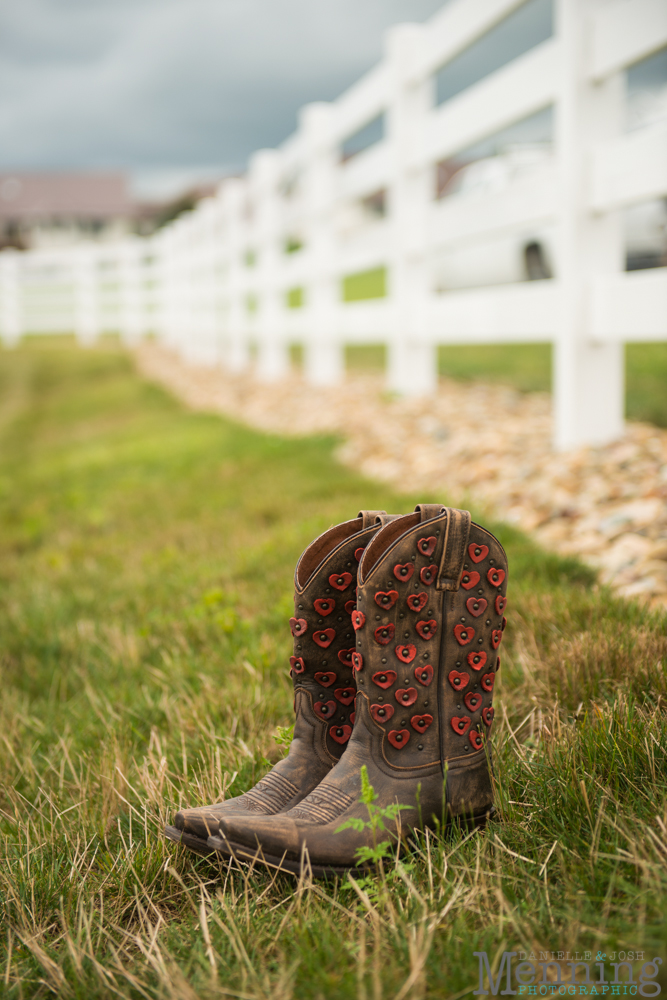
(175, 83)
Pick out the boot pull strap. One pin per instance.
(429, 510)
(383, 519)
(454, 549)
(370, 517)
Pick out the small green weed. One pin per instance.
(375, 823)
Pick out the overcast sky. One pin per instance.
(174, 89)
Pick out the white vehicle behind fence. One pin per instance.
(532, 254)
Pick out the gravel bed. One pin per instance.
(487, 443)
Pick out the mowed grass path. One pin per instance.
(146, 557)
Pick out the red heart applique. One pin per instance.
(324, 606)
(297, 664)
(352, 717)
(478, 552)
(470, 579)
(417, 601)
(427, 545)
(427, 629)
(358, 553)
(476, 606)
(424, 674)
(495, 576)
(501, 604)
(460, 725)
(404, 571)
(325, 709)
(298, 626)
(345, 656)
(473, 700)
(398, 738)
(382, 713)
(358, 619)
(504, 623)
(406, 654)
(476, 741)
(405, 696)
(421, 722)
(487, 715)
(384, 678)
(496, 637)
(341, 581)
(357, 662)
(384, 634)
(386, 599)
(464, 634)
(326, 678)
(344, 695)
(457, 680)
(476, 660)
(497, 664)
(324, 637)
(488, 680)
(428, 574)
(340, 734)
(350, 606)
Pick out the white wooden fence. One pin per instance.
(218, 286)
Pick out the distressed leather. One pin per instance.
(327, 570)
(429, 587)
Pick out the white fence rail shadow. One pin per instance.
(367, 224)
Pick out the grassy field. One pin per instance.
(146, 556)
(527, 367)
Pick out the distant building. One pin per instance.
(56, 209)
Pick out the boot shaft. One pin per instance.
(428, 623)
(325, 584)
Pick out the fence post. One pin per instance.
(132, 320)
(272, 354)
(86, 307)
(10, 298)
(588, 377)
(412, 356)
(216, 265)
(181, 276)
(323, 349)
(237, 353)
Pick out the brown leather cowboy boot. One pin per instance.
(428, 623)
(324, 689)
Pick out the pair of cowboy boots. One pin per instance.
(397, 624)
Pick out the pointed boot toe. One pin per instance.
(274, 840)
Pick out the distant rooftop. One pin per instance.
(36, 196)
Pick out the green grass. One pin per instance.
(646, 382)
(363, 359)
(364, 285)
(295, 298)
(527, 367)
(146, 556)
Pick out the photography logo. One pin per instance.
(564, 974)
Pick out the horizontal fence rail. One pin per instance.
(414, 211)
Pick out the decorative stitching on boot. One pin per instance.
(321, 807)
(269, 795)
